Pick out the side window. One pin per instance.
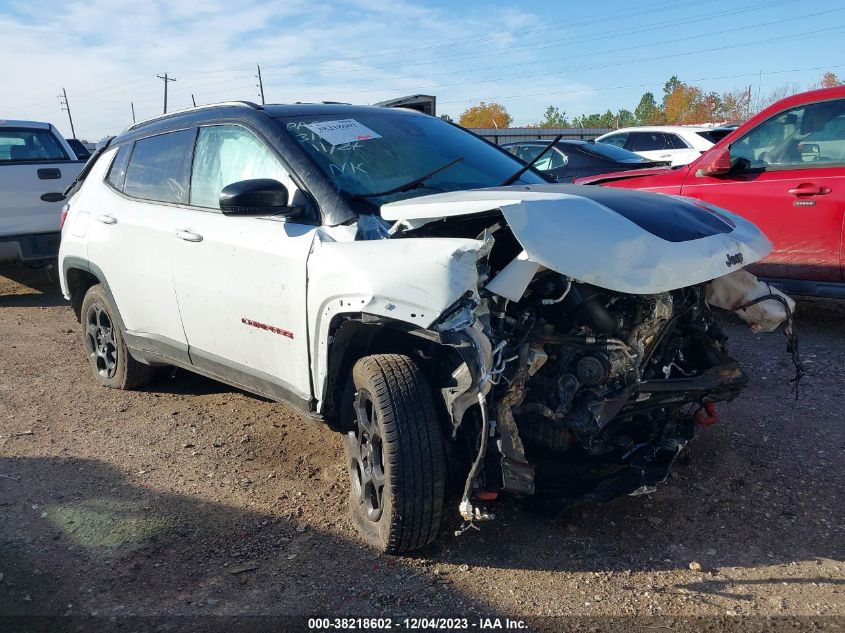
(646, 142)
(616, 139)
(226, 154)
(553, 159)
(675, 141)
(117, 171)
(806, 135)
(21, 144)
(559, 159)
(159, 167)
(513, 149)
(529, 152)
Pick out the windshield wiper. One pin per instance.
(410, 185)
(515, 177)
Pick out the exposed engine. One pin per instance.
(586, 374)
(595, 357)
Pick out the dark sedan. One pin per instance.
(572, 159)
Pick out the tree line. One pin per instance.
(682, 104)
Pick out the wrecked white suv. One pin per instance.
(460, 320)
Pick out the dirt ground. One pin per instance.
(192, 498)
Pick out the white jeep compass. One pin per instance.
(459, 319)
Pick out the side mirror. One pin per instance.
(716, 164)
(810, 152)
(260, 196)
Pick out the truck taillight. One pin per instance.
(65, 209)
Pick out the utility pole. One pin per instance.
(132, 103)
(194, 101)
(166, 80)
(260, 83)
(66, 107)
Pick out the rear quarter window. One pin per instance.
(117, 172)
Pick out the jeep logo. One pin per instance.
(733, 260)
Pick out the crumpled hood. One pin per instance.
(628, 241)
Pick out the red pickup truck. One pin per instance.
(783, 169)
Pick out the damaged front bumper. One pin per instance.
(637, 472)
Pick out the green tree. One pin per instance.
(595, 120)
(644, 112)
(554, 118)
(625, 118)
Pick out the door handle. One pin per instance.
(107, 219)
(189, 236)
(809, 190)
(49, 173)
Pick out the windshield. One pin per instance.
(374, 152)
(606, 150)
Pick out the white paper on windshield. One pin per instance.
(342, 131)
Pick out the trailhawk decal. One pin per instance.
(269, 328)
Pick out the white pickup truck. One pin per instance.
(36, 166)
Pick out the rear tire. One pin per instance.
(395, 455)
(110, 360)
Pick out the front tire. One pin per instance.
(105, 345)
(395, 455)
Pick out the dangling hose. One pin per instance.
(482, 449)
(792, 333)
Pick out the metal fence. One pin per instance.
(512, 134)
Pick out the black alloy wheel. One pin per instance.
(100, 341)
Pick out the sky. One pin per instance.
(579, 57)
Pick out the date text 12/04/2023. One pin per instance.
(416, 623)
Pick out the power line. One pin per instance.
(599, 19)
(583, 68)
(650, 45)
(580, 39)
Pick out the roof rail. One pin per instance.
(245, 104)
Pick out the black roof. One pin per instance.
(246, 109)
(278, 110)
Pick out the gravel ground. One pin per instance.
(192, 498)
